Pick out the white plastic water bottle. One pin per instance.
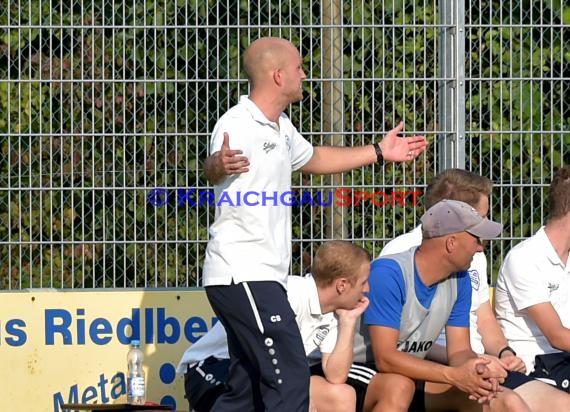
(136, 388)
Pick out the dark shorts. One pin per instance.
(516, 379)
(204, 382)
(553, 367)
(418, 401)
(359, 377)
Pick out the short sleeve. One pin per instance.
(301, 150)
(523, 281)
(459, 316)
(481, 284)
(387, 294)
(329, 342)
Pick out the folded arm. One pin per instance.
(337, 363)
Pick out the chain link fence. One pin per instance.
(106, 109)
(517, 121)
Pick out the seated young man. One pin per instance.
(532, 296)
(327, 304)
(487, 338)
(413, 295)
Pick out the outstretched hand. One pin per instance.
(401, 149)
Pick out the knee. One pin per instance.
(509, 401)
(392, 392)
(330, 397)
(400, 392)
(343, 398)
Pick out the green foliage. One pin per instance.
(102, 101)
(517, 116)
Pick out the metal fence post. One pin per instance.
(451, 88)
(333, 104)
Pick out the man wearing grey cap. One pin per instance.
(413, 296)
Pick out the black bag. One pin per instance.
(555, 367)
(205, 382)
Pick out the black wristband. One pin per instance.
(379, 156)
(506, 348)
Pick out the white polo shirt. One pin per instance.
(531, 273)
(319, 331)
(250, 239)
(477, 273)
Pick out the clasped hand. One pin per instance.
(480, 378)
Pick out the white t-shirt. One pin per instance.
(318, 331)
(531, 273)
(477, 273)
(250, 239)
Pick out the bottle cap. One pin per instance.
(135, 342)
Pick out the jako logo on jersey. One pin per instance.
(414, 346)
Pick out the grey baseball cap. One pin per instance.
(452, 216)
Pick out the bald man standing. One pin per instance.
(249, 251)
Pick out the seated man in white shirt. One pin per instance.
(532, 296)
(487, 338)
(327, 305)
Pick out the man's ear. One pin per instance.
(450, 243)
(277, 77)
(341, 284)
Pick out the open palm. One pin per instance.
(401, 149)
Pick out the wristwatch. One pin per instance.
(506, 348)
(379, 156)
